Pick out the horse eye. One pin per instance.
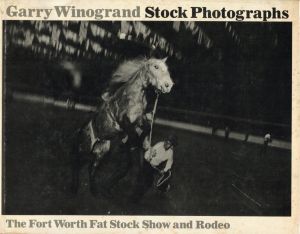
(155, 66)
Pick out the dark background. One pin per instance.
(230, 74)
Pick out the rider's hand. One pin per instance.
(149, 116)
(146, 143)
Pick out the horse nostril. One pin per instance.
(167, 85)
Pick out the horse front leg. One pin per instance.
(142, 181)
(100, 149)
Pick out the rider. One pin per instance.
(161, 152)
(157, 159)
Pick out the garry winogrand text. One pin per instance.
(149, 12)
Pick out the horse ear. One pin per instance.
(164, 59)
(105, 96)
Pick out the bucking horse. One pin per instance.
(125, 113)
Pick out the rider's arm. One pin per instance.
(147, 155)
(169, 162)
(146, 143)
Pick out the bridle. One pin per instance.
(152, 120)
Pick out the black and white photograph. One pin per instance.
(175, 118)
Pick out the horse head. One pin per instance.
(152, 72)
(158, 75)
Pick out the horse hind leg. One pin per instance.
(100, 149)
(77, 164)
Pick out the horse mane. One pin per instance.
(125, 72)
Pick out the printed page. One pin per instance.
(150, 116)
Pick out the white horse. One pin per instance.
(126, 107)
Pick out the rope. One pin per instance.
(152, 121)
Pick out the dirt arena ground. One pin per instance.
(211, 175)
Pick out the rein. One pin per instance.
(152, 121)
